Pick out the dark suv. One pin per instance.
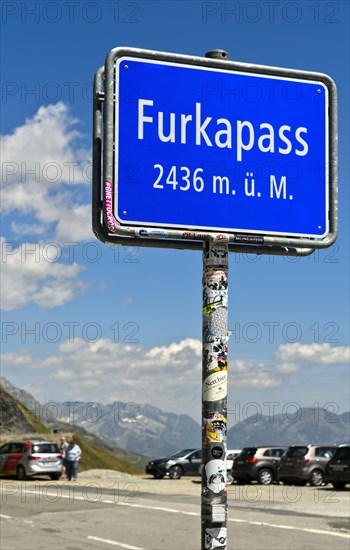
(257, 464)
(305, 463)
(338, 468)
(185, 462)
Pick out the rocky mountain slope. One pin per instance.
(304, 426)
(17, 421)
(16, 418)
(142, 429)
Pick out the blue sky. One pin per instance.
(86, 321)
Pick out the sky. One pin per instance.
(86, 321)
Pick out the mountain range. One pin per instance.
(150, 431)
(316, 426)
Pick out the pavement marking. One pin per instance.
(5, 517)
(77, 497)
(115, 543)
(292, 528)
(58, 496)
(175, 511)
(158, 508)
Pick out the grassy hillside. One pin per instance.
(94, 441)
(93, 458)
(17, 422)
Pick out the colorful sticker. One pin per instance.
(222, 237)
(215, 428)
(217, 452)
(152, 233)
(108, 207)
(215, 386)
(212, 303)
(215, 279)
(215, 355)
(192, 235)
(215, 538)
(217, 255)
(215, 471)
(208, 336)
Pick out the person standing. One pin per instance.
(63, 448)
(73, 454)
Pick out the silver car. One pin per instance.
(301, 464)
(27, 458)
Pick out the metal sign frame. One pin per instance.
(108, 230)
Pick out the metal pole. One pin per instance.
(214, 394)
(214, 386)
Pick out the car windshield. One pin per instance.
(45, 448)
(179, 454)
(248, 453)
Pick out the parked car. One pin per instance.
(230, 456)
(305, 463)
(257, 464)
(338, 468)
(185, 462)
(28, 458)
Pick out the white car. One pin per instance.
(230, 456)
(27, 457)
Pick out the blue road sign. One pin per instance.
(207, 149)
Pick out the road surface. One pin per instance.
(139, 513)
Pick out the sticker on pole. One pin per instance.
(215, 386)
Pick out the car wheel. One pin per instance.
(21, 473)
(316, 478)
(229, 478)
(55, 477)
(265, 476)
(175, 472)
(158, 476)
(338, 484)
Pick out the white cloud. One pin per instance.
(167, 376)
(162, 375)
(19, 358)
(98, 371)
(254, 374)
(42, 150)
(27, 228)
(42, 171)
(176, 353)
(44, 177)
(323, 354)
(28, 277)
(63, 374)
(288, 368)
